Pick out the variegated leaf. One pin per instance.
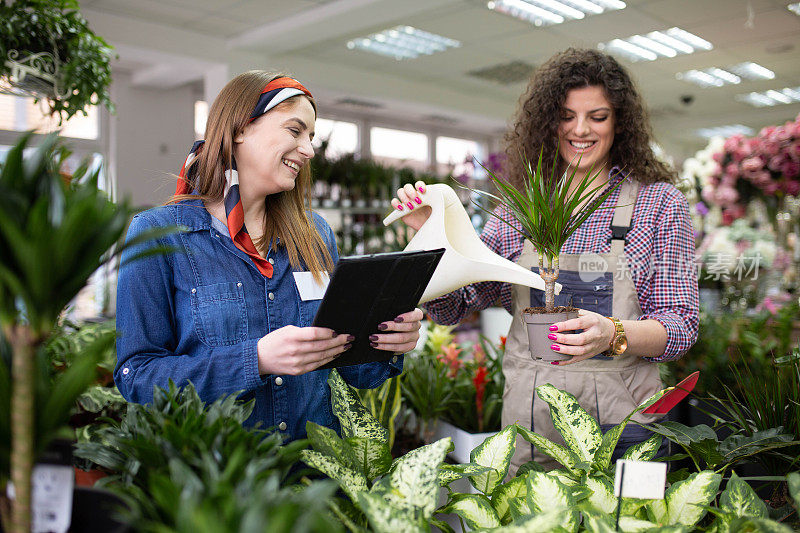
(351, 482)
(740, 499)
(450, 473)
(443, 526)
(519, 508)
(644, 451)
(516, 488)
(474, 509)
(580, 430)
(685, 499)
(386, 519)
(602, 498)
(657, 511)
(326, 441)
(564, 477)
(602, 458)
(793, 480)
(629, 524)
(561, 454)
(413, 482)
(551, 521)
(606, 524)
(546, 492)
(355, 419)
(370, 457)
(347, 513)
(758, 525)
(596, 524)
(494, 452)
(530, 466)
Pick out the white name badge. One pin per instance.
(642, 479)
(308, 288)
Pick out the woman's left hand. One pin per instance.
(399, 335)
(595, 338)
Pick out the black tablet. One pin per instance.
(366, 290)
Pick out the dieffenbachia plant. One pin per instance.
(401, 495)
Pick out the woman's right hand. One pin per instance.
(408, 200)
(294, 351)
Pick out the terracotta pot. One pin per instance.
(538, 329)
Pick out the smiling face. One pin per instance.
(586, 129)
(271, 150)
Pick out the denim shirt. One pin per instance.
(196, 314)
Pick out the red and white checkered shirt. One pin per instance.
(661, 255)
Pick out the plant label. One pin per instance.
(52, 498)
(640, 479)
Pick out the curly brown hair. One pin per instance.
(540, 109)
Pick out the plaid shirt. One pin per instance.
(661, 256)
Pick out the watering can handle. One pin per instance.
(437, 195)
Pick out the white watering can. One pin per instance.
(466, 259)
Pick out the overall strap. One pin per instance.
(621, 223)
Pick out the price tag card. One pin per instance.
(52, 498)
(640, 479)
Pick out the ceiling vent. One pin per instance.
(358, 103)
(440, 119)
(504, 73)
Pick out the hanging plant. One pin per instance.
(47, 51)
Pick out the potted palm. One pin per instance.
(47, 51)
(549, 208)
(53, 236)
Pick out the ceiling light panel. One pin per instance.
(547, 12)
(657, 44)
(725, 131)
(752, 71)
(403, 42)
(717, 77)
(787, 95)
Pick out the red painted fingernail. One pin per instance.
(410, 205)
(351, 338)
(555, 347)
(334, 335)
(348, 346)
(418, 200)
(383, 326)
(373, 337)
(554, 328)
(398, 319)
(422, 189)
(551, 336)
(400, 207)
(373, 344)
(553, 362)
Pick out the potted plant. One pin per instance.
(48, 51)
(549, 208)
(53, 236)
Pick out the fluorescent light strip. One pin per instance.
(725, 131)
(701, 78)
(787, 95)
(658, 44)
(540, 12)
(724, 75)
(752, 71)
(560, 8)
(403, 42)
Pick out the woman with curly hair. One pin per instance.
(628, 268)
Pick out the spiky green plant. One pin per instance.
(549, 208)
(53, 236)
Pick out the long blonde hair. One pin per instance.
(286, 221)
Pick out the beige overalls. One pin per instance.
(608, 388)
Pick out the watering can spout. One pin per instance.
(466, 259)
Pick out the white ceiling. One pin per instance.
(168, 42)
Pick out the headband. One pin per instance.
(275, 92)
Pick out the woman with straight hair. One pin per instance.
(640, 306)
(227, 307)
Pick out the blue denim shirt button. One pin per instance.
(239, 284)
(271, 296)
(282, 426)
(125, 371)
(194, 291)
(394, 359)
(279, 381)
(271, 261)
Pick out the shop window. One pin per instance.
(341, 137)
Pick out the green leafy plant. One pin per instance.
(549, 209)
(82, 71)
(52, 238)
(385, 403)
(183, 465)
